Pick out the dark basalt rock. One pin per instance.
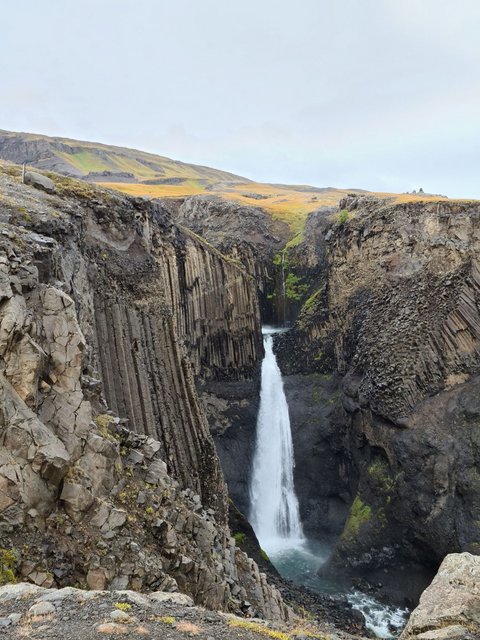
(398, 315)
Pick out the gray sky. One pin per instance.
(379, 94)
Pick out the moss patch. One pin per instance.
(294, 288)
(342, 216)
(360, 514)
(309, 302)
(264, 555)
(103, 421)
(239, 537)
(7, 566)
(379, 473)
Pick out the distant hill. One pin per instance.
(104, 163)
(145, 174)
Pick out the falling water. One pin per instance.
(274, 511)
(274, 506)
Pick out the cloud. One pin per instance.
(369, 93)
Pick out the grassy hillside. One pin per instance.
(82, 159)
(146, 174)
(288, 203)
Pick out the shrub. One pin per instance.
(239, 537)
(343, 216)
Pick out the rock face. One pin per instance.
(396, 312)
(91, 338)
(247, 234)
(231, 409)
(450, 608)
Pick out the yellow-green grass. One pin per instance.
(289, 203)
(85, 161)
(282, 202)
(187, 188)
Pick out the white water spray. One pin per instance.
(274, 510)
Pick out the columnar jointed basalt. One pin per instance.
(87, 313)
(396, 312)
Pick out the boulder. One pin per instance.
(450, 607)
(39, 181)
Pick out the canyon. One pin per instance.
(130, 337)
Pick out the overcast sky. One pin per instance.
(379, 94)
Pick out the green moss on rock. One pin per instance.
(7, 566)
(239, 537)
(360, 514)
(264, 555)
(379, 473)
(309, 302)
(294, 289)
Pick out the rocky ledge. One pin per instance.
(30, 611)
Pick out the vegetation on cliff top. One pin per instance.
(156, 176)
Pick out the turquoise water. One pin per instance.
(300, 565)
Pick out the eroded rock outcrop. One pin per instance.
(90, 304)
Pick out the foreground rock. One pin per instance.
(450, 608)
(65, 614)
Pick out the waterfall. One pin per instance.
(284, 291)
(274, 512)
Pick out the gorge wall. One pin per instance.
(247, 234)
(96, 295)
(395, 313)
(381, 374)
(121, 332)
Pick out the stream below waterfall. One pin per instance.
(274, 511)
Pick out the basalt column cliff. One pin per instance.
(389, 338)
(381, 375)
(108, 474)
